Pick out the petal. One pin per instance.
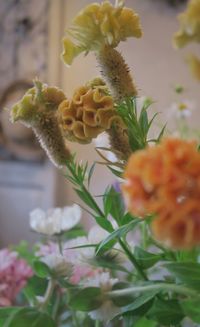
(70, 217)
(70, 51)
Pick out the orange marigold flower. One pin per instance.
(165, 180)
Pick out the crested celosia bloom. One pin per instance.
(14, 273)
(194, 65)
(178, 226)
(89, 113)
(55, 221)
(37, 110)
(98, 25)
(108, 309)
(189, 25)
(165, 180)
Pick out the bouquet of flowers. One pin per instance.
(139, 264)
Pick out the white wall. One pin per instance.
(154, 62)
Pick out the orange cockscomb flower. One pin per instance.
(179, 227)
(165, 180)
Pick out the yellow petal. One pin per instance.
(70, 51)
(130, 24)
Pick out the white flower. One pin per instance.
(108, 309)
(181, 109)
(58, 264)
(56, 220)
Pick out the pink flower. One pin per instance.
(14, 273)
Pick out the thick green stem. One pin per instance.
(160, 286)
(97, 323)
(132, 258)
(48, 294)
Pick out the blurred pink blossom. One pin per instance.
(14, 273)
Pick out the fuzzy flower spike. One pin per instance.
(37, 110)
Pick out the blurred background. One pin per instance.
(31, 33)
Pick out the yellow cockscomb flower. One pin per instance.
(98, 25)
(194, 65)
(189, 25)
(90, 112)
(37, 110)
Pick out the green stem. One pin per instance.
(48, 294)
(144, 235)
(97, 323)
(132, 258)
(59, 239)
(160, 286)
(56, 305)
(75, 320)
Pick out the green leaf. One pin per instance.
(35, 286)
(127, 218)
(146, 259)
(117, 234)
(90, 173)
(6, 313)
(77, 231)
(104, 223)
(143, 121)
(191, 309)
(166, 312)
(87, 299)
(188, 273)
(140, 301)
(29, 317)
(87, 198)
(114, 204)
(41, 269)
(161, 133)
(115, 172)
(143, 322)
(121, 301)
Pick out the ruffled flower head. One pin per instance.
(189, 25)
(98, 25)
(165, 180)
(90, 112)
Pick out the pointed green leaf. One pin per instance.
(117, 234)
